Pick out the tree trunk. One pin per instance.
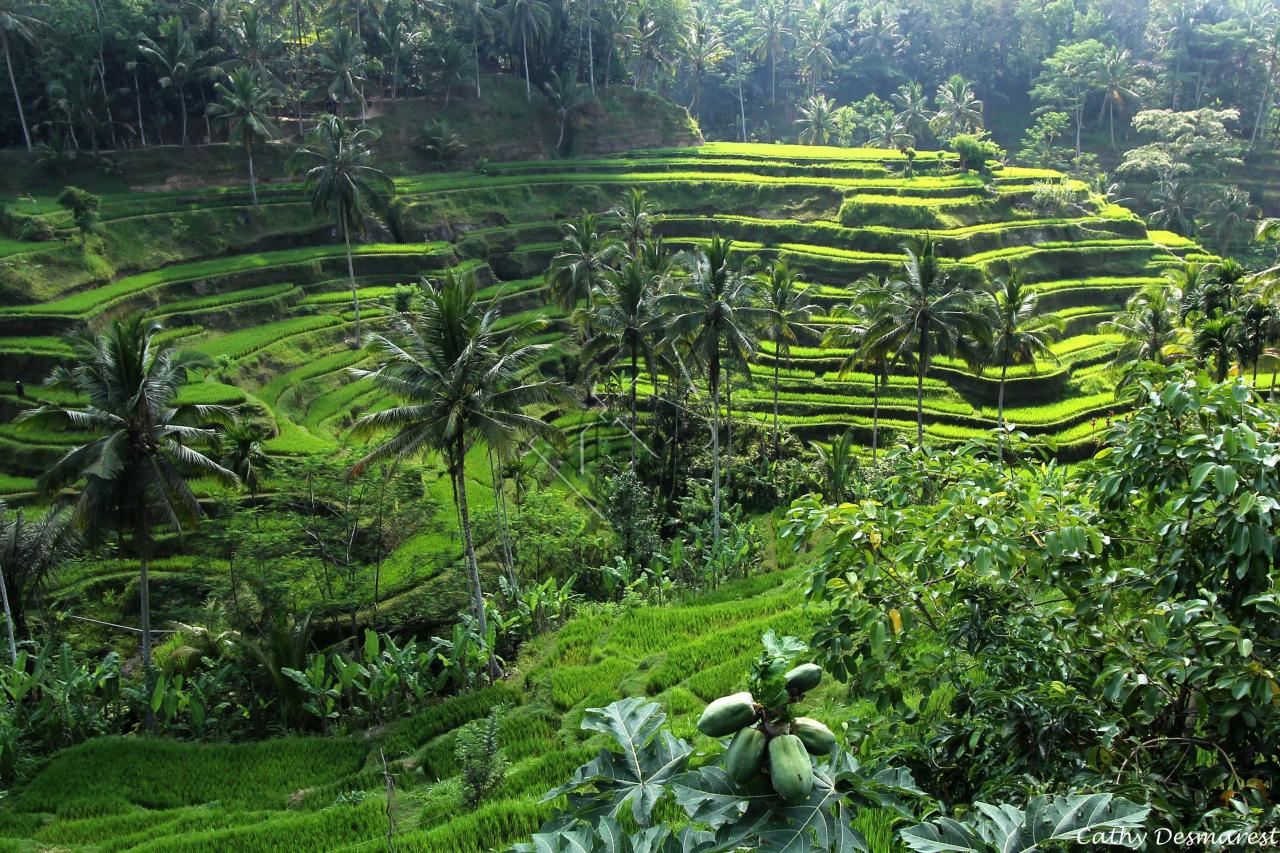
(524, 47)
(144, 595)
(473, 570)
(351, 276)
(17, 98)
(1004, 370)
(776, 441)
(253, 181)
(742, 110)
(634, 377)
(208, 126)
(715, 447)
(475, 46)
(591, 51)
(137, 95)
(728, 429)
(297, 66)
(920, 400)
(875, 414)
(8, 619)
(500, 507)
(182, 107)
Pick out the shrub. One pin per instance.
(479, 756)
(974, 151)
(35, 230)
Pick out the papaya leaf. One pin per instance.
(1006, 829)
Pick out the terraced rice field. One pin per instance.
(273, 310)
(278, 320)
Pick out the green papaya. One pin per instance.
(790, 769)
(727, 714)
(745, 755)
(817, 738)
(804, 677)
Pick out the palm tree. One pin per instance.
(913, 108)
(174, 56)
(461, 384)
(958, 110)
(786, 310)
(482, 14)
(1229, 214)
(1218, 337)
(1149, 324)
(714, 313)
(240, 451)
(134, 470)
(1196, 291)
(623, 315)
(703, 49)
(926, 314)
(888, 132)
(635, 217)
(29, 549)
(870, 296)
(1116, 76)
(568, 98)
(838, 466)
(575, 271)
(767, 35)
(814, 40)
(817, 120)
(1259, 323)
(18, 20)
(343, 183)
(343, 62)
(1019, 333)
(1174, 204)
(243, 106)
(528, 19)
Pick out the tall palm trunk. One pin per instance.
(351, 277)
(182, 108)
(475, 47)
(1004, 370)
(591, 51)
(473, 570)
(875, 415)
(742, 110)
(143, 539)
(137, 95)
(524, 48)
(728, 429)
(8, 620)
(17, 98)
(500, 507)
(634, 376)
(776, 440)
(714, 375)
(297, 65)
(253, 180)
(920, 368)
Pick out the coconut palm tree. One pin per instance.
(913, 109)
(714, 312)
(481, 16)
(634, 217)
(1228, 215)
(817, 120)
(568, 97)
(622, 313)
(870, 296)
(19, 20)
(460, 384)
(1218, 337)
(1116, 76)
(1259, 325)
(888, 132)
(30, 548)
(767, 35)
(924, 314)
(527, 19)
(576, 270)
(786, 310)
(342, 62)
(703, 50)
(133, 472)
(343, 183)
(174, 57)
(1174, 204)
(240, 450)
(1150, 326)
(1019, 333)
(813, 39)
(243, 106)
(959, 111)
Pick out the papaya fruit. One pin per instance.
(817, 738)
(804, 677)
(745, 755)
(790, 769)
(727, 714)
